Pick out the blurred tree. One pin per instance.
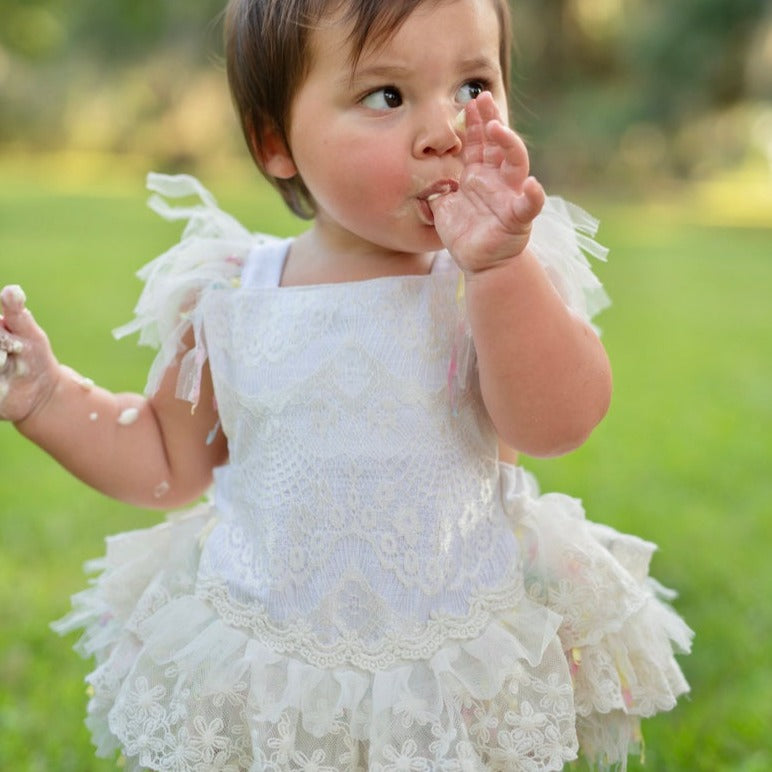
(589, 70)
(32, 30)
(113, 31)
(693, 46)
(697, 49)
(119, 29)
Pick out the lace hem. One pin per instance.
(300, 639)
(478, 705)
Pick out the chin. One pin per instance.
(425, 240)
(434, 241)
(412, 240)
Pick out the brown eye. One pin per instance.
(470, 90)
(386, 98)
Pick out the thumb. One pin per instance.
(445, 212)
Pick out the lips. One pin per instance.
(432, 193)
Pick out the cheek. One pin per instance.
(360, 176)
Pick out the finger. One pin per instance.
(13, 298)
(479, 113)
(9, 344)
(528, 205)
(16, 317)
(487, 107)
(474, 138)
(508, 149)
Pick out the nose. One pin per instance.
(436, 134)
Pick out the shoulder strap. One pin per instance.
(264, 265)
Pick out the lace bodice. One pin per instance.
(359, 516)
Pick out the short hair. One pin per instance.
(268, 57)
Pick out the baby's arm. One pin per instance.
(544, 373)
(149, 452)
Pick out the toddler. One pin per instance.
(371, 585)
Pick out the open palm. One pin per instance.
(488, 219)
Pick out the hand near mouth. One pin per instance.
(488, 219)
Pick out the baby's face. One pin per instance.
(371, 145)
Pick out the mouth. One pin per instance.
(432, 193)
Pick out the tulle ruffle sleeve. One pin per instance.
(211, 253)
(562, 239)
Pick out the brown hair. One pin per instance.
(267, 58)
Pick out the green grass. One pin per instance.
(682, 458)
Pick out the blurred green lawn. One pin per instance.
(682, 459)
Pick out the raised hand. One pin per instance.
(488, 219)
(28, 369)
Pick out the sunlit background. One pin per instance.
(626, 93)
(654, 114)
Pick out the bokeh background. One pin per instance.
(656, 115)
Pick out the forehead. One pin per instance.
(364, 27)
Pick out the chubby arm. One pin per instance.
(544, 374)
(148, 452)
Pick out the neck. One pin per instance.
(320, 256)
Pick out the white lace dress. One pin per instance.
(370, 588)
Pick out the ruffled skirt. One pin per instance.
(572, 669)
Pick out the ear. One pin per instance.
(273, 154)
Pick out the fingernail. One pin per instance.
(3, 357)
(16, 294)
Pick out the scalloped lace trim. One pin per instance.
(394, 645)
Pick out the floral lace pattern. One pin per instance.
(528, 726)
(319, 549)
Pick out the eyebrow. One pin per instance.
(480, 63)
(388, 72)
(384, 72)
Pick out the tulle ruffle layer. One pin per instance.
(588, 654)
(617, 630)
